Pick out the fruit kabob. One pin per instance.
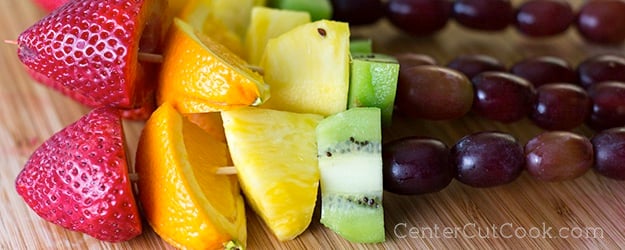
(563, 100)
(197, 75)
(191, 86)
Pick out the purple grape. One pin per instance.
(416, 165)
(541, 18)
(558, 156)
(609, 147)
(602, 21)
(544, 69)
(433, 92)
(560, 106)
(419, 17)
(357, 12)
(608, 110)
(601, 68)
(502, 96)
(490, 15)
(487, 159)
(472, 65)
(408, 60)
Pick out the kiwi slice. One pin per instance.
(373, 83)
(360, 46)
(318, 9)
(350, 163)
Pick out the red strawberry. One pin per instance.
(50, 5)
(79, 180)
(88, 50)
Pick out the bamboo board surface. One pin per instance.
(588, 212)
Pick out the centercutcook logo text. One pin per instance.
(506, 230)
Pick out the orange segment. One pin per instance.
(209, 122)
(201, 75)
(183, 198)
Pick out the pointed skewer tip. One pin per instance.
(14, 42)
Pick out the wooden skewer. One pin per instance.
(150, 57)
(256, 69)
(229, 170)
(134, 177)
(157, 58)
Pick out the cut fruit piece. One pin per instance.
(199, 75)
(275, 156)
(198, 14)
(318, 9)
(360, 46)
(183, 199)
(209, 122)
(268, 23)
(235, 14)
(88, 50)
(78, 179)
(373, 83)
(350, 162)
(308, 68)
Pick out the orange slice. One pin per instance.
(200, 75)
(210, 122)
(184, 200)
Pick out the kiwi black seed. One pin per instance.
(353, 145)
(360, 200)
(373, 57)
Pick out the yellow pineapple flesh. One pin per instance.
(275, 155)
(307, 68)
(235, 14)
(201, 16)
(267, 23)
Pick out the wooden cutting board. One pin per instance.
(588, 212)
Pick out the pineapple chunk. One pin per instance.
(275, 155)
(268, 23)
(307, 68)
(235, 14)
(199, 14)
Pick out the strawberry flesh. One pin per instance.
(79, 180)
(88, 49)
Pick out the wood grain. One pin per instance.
(588, 211)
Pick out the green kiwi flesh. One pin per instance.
(318, 9)
(350, 163)
(373, 83)
(360, 46)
